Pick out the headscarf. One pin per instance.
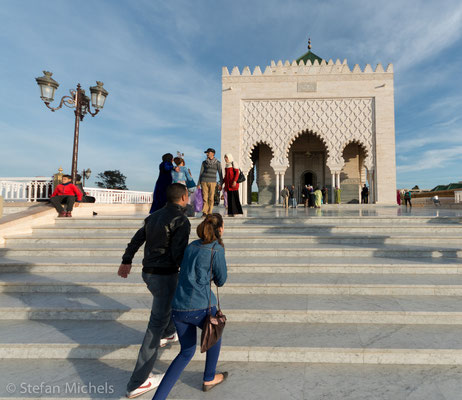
(231, 163)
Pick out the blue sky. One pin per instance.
(161, 63)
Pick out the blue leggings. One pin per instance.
(186, 323)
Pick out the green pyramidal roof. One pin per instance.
(309, 56)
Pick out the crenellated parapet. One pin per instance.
(300, 68)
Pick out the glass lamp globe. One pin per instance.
(47, 86)
(98, 95)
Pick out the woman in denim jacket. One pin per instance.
(191, 302)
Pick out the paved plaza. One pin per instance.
(345, 302)
(348, 210)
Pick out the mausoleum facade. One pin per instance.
(311, 121)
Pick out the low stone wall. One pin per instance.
(446, 202)
(440, 194)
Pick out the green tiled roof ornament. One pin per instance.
(309, 56)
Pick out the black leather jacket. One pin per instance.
(166, 233)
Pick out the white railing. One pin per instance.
(458, 196)
(113, 196)
(26, 189)
(41, 188)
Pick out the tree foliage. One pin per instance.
(416, 188)
(112, 179)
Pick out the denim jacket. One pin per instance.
(182, 176)
(193, 290)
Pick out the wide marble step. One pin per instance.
(235, 239)
(326, 309)
(242, 342)
(293, 229)
(236, 264)
(338, 284)
(251, 250)
(403, 221)
(84, 379)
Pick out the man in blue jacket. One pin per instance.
(166, 233)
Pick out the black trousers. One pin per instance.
(407, 201)
(57, 202)
(234, 205)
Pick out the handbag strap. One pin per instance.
(211, 272)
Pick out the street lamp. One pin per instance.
(86, 173)
(77, 100)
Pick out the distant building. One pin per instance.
(311, 122)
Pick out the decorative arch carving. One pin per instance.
(306, 132)
(278, 122)
(367, 162)
(246, 160)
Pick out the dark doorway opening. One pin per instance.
(309, 179)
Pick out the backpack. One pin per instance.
(407, 195)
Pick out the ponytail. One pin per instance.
(209, 229)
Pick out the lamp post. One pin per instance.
(77, 100)
(86, 173)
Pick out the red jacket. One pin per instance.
(231, 175)
(68, 189)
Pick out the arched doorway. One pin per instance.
(353, 175)
(261, 179)
(308, 178)
(307, 162)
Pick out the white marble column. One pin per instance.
(338, 180)
(332, 189)
(372, 187)
(277, 188)
(282, 180)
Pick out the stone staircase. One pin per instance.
(318, 307)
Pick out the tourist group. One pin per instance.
(179, 275)
(173, 170)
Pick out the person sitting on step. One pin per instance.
(66, 193)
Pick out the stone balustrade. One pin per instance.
(32, 189)
(26, 189)
(112, 196)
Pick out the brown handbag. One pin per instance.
(213, 325)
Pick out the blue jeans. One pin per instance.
(160, 325)
(186, 323)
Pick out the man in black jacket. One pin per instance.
(166, 233)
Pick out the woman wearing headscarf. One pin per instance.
(165, 178)
(231, 186)
(318, 198)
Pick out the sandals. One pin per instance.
(206, 388)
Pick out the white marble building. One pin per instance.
(312, 121)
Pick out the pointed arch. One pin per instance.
(247, 163)
(300, 133)
(367, 161)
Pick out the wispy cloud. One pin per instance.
(434, 159)
(161, 62)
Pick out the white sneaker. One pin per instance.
(169, 340)
(151, 383)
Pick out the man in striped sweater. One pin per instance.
(208, 180)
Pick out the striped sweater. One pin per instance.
(209, 171)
